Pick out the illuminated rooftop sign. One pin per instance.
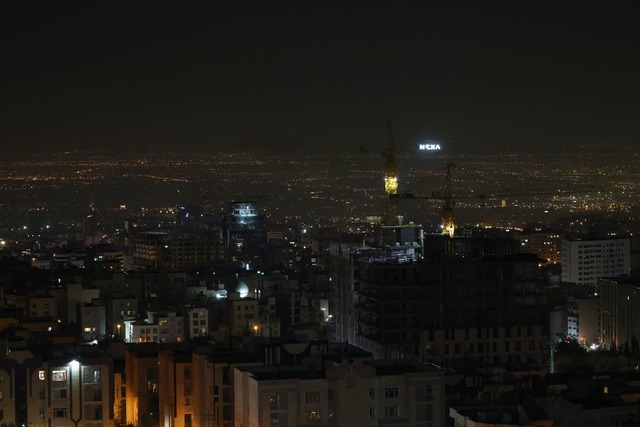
(429, 147)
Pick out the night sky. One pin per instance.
(496, 76)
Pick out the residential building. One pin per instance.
(347, 392)
(42, 305)
(504, 415)
(142, 379)
(277, 395)
(547, 245)
(585, 260)
(242, 314)
(51, 392)
(93, 322)
(176, 389)
(198, 322)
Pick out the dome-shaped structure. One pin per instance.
(241, 288)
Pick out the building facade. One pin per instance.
(587, 260)
(428, 308)
(619, 313)
(56, 392)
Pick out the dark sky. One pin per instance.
(477, 75)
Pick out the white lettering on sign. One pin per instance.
(429, 147)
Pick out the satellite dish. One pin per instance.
(295, 348)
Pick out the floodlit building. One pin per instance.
(176, 389)
(44, 392)
(587, 260)
(244, 232)
(142, 380)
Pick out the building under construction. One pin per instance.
(395, 303)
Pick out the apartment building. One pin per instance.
(348, 392)
(44, 392)
(585, 260)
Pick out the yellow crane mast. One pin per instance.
(390, 178)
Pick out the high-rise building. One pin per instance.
(398, 307)
(585, 260)
(619, 312)
(244, 232)
(154, 249)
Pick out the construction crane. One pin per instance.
(390, 178)
(448, 202)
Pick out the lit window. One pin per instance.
(274, 400)
(91, 375)
(59, 375)
(59, 412)
(41, 375)
(313, 416)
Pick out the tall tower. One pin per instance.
(390, 178)
(448, 224)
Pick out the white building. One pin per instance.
(286, 396)
(587, 260)
(159, 327)
(353, 393)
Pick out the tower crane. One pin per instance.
(390, 178)
(448, 202)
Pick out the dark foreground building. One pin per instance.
(441, 309)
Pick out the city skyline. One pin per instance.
(475, 77)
